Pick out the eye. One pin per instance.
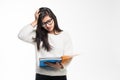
(48, 22)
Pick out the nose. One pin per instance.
(47, 25)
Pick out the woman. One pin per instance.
(49, 41)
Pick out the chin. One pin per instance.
(50, 30)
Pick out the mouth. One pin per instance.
(49, 28)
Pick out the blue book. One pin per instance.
(42, 61)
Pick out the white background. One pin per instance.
(94, 26)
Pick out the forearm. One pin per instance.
(27, 33)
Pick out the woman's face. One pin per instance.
(48, 24)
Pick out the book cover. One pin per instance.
(51, 60)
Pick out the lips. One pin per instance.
(48, 28)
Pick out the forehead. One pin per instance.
(46, 18)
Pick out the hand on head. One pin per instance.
(37, 13)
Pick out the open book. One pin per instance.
(51, 60)
(61, 59)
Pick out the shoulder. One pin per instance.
(65, 34)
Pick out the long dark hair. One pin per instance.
(41, 33)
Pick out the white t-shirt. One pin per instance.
(61, 45)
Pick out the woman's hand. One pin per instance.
(36, 15)
(56, 65)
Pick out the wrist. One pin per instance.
(61, 66)
(34, 23)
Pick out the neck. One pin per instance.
(54, 32)
(51, 32)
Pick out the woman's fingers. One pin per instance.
(37, 13)
(54, 65)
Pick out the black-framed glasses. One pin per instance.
(48, 22)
